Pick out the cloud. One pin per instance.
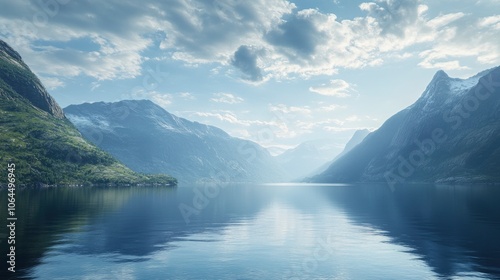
(442, 65)
(187, 96)
(337, 88)
(444, 20)
(52, 83)
(264, 39)
(193, 28)
(282, 108)
(318, 124)
(490, 22)
(226, 98)
(228, 117)
(232, 118)
(393, 16)
(298, 34)
(245, 59)
(161, 99)
(61, 28)
(456, 36)
(331, 108)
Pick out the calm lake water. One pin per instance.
(257, 232)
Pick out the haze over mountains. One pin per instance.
(148, 139)
(307, 157)
(450, 134)
(44, 146)
(357, 137)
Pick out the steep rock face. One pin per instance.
(17, 75)
(450, 134)
(149, 139)
(44, 146)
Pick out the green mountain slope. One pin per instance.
(44, 146)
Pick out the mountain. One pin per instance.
(149, 139)
(357, 137)
(306, 157)
(19, 78)
(44, 146)
(450, 134)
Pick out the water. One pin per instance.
(257, 232)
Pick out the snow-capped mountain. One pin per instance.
(148, 139)
(450, 134)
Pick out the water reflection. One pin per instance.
(44, 215)
(454, 229)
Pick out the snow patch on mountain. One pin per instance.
(88, 122)
(460, 86)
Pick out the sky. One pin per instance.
(278, 72)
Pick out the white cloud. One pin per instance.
(443, 65)
(226, 98)
(161, 99)
(318, 124)
(353, 118)
(444, 20)
(187, 96)
(193, 28)
(262, 39)
(231, 117)
(337, 88)
(331, 108)
(52, 83)
(490, 22)
(282, 108)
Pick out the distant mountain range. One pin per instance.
(450, 134)
(44, 146)
(148, 139)
(307, 157)
(357, 137)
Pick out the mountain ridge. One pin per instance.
(147, 138)
(357, 137)
(17, 75)
(442, 109)
(44, 146)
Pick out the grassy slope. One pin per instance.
(49, 150)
